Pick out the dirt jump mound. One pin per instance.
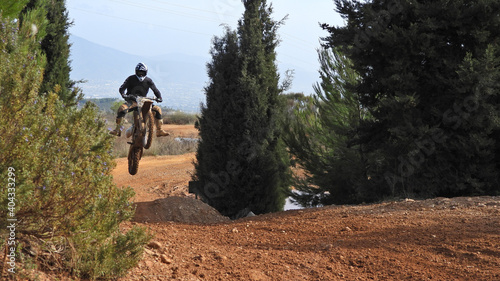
(177, 209)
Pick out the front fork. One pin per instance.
(139, 125)
(137, 134)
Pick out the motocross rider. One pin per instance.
(138, 85)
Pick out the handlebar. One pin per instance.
(134, 98)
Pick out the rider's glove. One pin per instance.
(128, 98)
(159, 99)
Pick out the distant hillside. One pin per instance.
(180, 78)
(104, 104)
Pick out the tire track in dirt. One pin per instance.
(161, 176)
(435, 239)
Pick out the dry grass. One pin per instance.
(161, 146)
(170, 145)
(180, 118)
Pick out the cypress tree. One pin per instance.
(435, 108)
(12, 8)
(245, 167)
(268, 169)
(220, 125)
(56, 48)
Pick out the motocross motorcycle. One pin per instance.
(142, 132)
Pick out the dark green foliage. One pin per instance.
(221, 128)
(56, 48)
(429, 74)
(11, 8)
(241, 159)
(68, 208)
(321, 130)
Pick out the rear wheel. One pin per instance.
(134, 156)
(148, 135)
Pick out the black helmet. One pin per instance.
(141, 70)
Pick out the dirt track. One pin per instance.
(438, 239)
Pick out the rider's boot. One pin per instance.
(159, 131)
(118, 130)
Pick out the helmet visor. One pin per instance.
(141, 73)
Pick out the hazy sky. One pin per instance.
(156, 27)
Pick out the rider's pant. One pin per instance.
(128, 107)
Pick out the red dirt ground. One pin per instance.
(438, 239)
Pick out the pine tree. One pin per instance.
(320, 136)
(241, 160)
(434, 131)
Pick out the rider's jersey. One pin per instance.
(137, 88)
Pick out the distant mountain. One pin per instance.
(180, 77)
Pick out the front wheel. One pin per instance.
(148, 134)
(134, 156)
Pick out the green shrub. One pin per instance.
(179, 118)
(60, 157)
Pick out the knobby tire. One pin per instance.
(149, 130)
(134, 155)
